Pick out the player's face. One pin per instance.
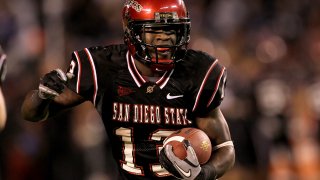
(160, 37)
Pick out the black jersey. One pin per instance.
(139, 114)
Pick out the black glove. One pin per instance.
(189, 168)
(52, 84)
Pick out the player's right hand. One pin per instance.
(52, 84)
(187, 169)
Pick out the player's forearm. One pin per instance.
(222, 160)
(34, 108)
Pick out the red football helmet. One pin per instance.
(158, 14)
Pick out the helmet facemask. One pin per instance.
(167, 22)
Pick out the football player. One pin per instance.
(144, 90)
(3, 111)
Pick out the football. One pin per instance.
(198, 139)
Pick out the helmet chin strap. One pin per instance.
(161, 65)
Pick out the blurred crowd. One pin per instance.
(271, 49)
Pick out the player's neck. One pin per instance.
(145, 70)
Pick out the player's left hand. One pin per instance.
(189, 168)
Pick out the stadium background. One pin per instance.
(270, 47)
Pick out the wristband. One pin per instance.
(227, 143)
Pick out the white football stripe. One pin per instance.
(173, 138)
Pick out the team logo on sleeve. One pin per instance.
(124, 91)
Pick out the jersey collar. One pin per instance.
(139, 79)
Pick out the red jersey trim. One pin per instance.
(139, 79)
(79, 71)
(134, 71)
(216, 87)
(164, 79)
(94, 75)
(203, 83)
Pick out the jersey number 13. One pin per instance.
(128, 161)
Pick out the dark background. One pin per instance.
(271, 49)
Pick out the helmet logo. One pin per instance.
(134, 5)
